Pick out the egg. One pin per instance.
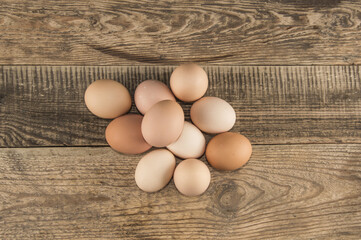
(213, 115)
(190, 144)
(107, 99)
(155, 170)
(124, 135)
(192, 177)
(228, 151)
(189, 82)
(150, 92)
(163, 123)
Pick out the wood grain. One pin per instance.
(44, 106)
(248, 32)
(284, 192)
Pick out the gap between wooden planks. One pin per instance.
(301, 191)
(44, 106)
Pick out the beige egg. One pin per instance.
(163, 123)
(155, 170)
(189, 82)
(213, 115)
(107, 99)
(190, 144)
(228, 151)
(192, 177)
(123, 134)
(149, 93)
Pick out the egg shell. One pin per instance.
(189, 82)
(107, 99)
(228, 151)
(149, 93)
(163, 123)
(155, 170)
(190, 144)
(213, 115)
(124, 135)
(192, 177)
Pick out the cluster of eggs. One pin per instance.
(162, 125)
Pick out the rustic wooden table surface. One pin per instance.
(290, 68)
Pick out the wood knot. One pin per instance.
(342, 19)
(230, 196)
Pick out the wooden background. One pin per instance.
(290, 68)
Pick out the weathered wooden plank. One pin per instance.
(44, 106)
(248, 32)
(302, 191)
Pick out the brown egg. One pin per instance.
(228, 151)
(192, 177)
(163, 123)
(213, 115)
(123, 134)
(155, 170)
(107, 99)
(149, 93)
(189, 82)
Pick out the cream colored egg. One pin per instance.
(192, 177)
(213, 115)
(155, 170)
(190, 144)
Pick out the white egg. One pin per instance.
(190, 144)
(155, 170)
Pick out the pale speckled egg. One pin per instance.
(190, 144)
(189, 82)
(213, 115)
(155, 170)
(228, 151)
(149, 93)
(163, 123)
(107, 99)
(124, 135)
(192, 177)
